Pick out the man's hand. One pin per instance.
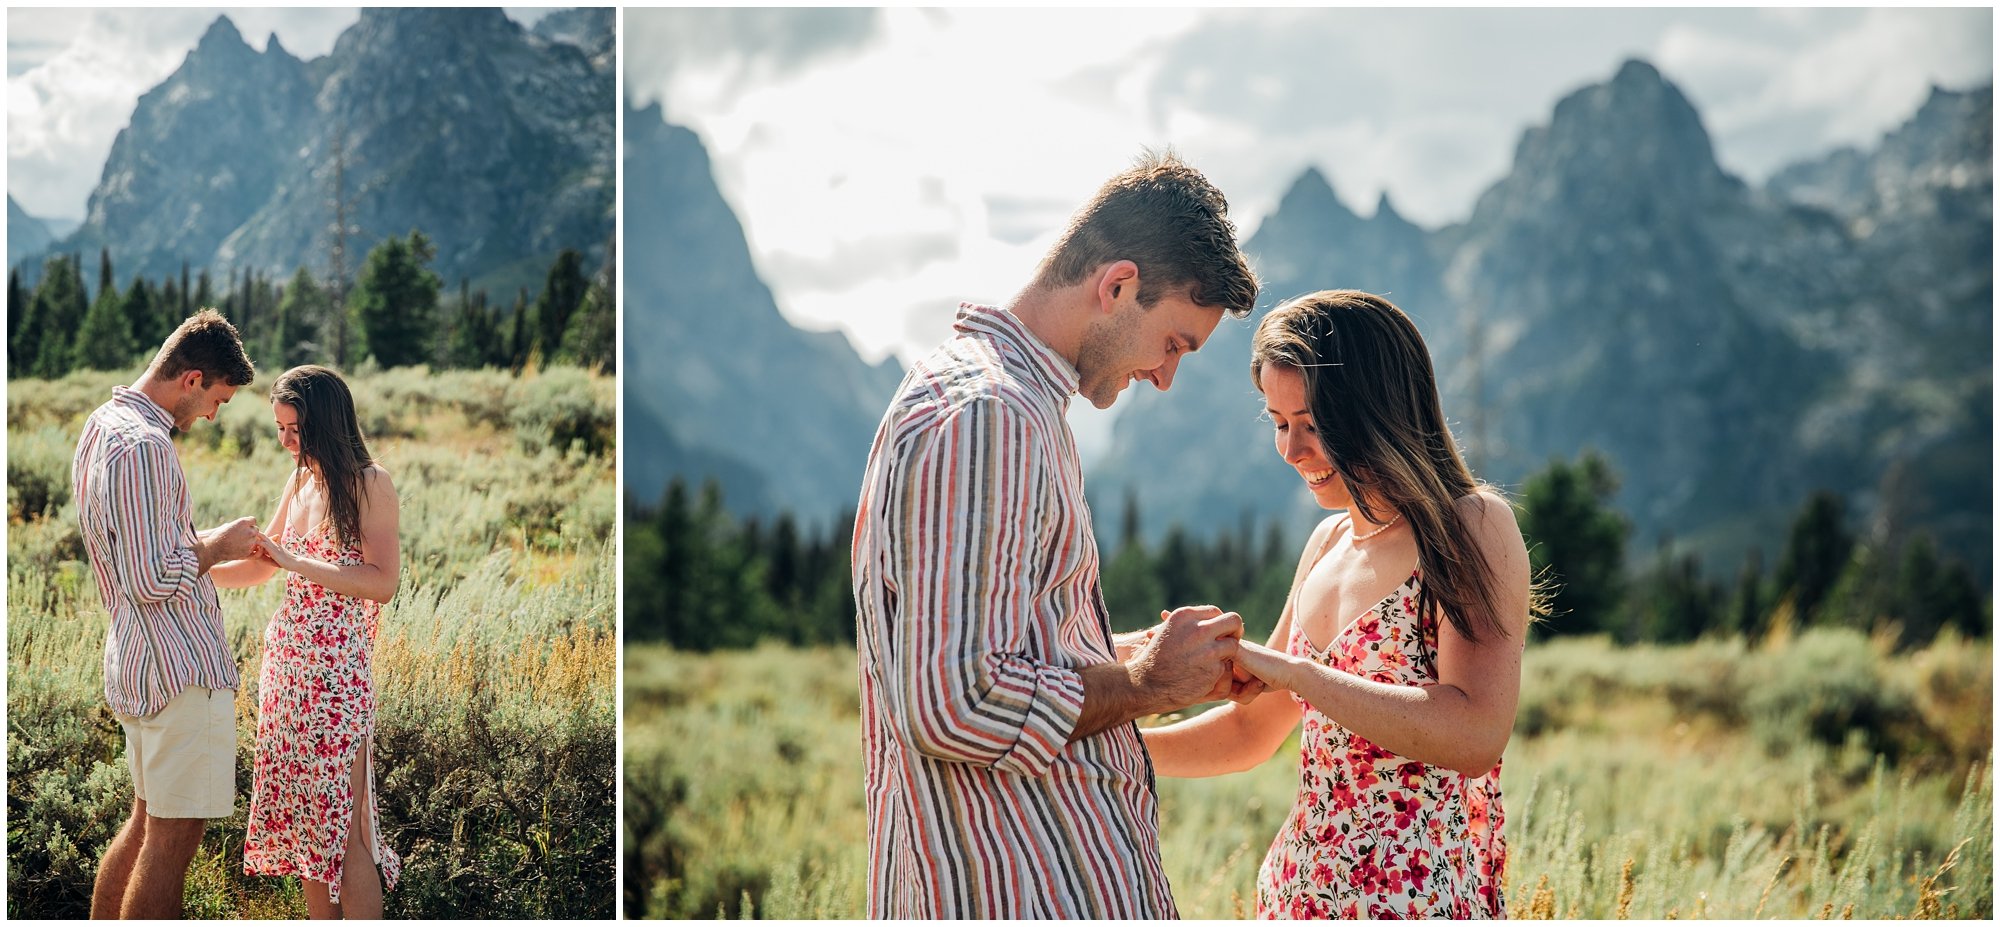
(232, 541)
(1188, 660)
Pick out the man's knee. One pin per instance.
(172, 839)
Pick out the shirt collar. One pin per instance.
(1052, 368)
(144, 405)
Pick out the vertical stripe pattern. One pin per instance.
(978, 601)
(138, 528)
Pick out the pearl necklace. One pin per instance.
(1385, 526)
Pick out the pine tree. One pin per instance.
(55, 315)
(475, 342)
(106, 281)
(562, 293)
(1816, 553)
(1132, 590)
(395, 300)
(1746, 612)
(592, 338)
(517, 347)
(104, 339)
(204, 295)
(300, 312)
(142, 316)
(1577, 540)
(17, 309)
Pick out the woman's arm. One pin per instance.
(256, 568)
(376, 576)
(1463, 721)
(1237, 736)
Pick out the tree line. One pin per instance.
(392, 315)
(699, 578)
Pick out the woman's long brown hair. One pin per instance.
(1373, 396)
(330, 438)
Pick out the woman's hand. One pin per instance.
(274, 552)
(1270, 666)
(1131, 642)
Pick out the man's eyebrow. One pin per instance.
(1301, 413)
(1193, 343)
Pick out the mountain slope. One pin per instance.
(715, 377)
(495, 141)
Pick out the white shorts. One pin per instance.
(183, 758)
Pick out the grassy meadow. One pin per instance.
(1818, 775)
(494, 672)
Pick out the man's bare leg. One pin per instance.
(159, 881)
(114, 872)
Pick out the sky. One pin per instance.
(889, 163)
(73, 76)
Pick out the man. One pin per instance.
(169, 674)
(1005, 777)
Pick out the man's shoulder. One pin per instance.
(956, 393)
(115, 430)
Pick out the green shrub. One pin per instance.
(1826, 684)
(559, 408)
(38, 469)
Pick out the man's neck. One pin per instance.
(162, 392)
(1054, 316)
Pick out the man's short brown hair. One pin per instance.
(208, 343)
(1167, 218)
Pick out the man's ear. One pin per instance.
(191, 380)
(1117, 281)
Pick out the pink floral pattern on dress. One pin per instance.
(316, 707)
(1374, 834)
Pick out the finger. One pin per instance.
(1194, 613)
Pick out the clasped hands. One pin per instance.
(241, 540)
(1197, 654)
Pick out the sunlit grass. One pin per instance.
(1631, 797)
(494, 668)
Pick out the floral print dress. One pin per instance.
(1374, 834)
(316, 708)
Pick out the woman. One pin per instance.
(1400, 643)
(312, 804)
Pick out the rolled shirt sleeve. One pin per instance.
(153, 561)
(965, 508)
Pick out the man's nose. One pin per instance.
(1163, 375)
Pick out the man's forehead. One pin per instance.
(1196, 322)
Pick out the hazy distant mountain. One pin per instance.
(26, 234)
(1915, 324)
(495, 141)
(717, 383)
(1729, 348)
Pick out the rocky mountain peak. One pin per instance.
(1638, 122)
(220, 35)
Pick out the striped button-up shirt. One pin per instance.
(978, 601)
(138, 527)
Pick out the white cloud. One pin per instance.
(1832, 78)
